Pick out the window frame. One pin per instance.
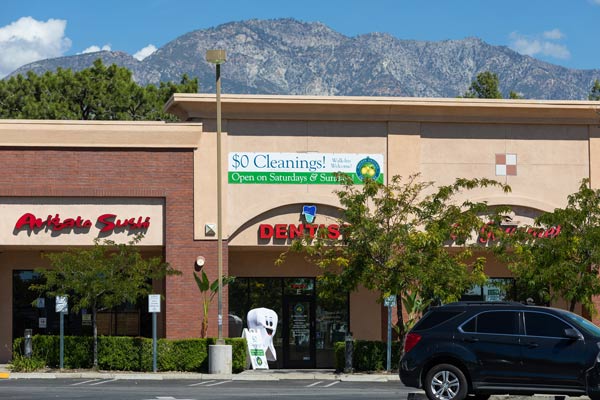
(552, 315)
(519, 321)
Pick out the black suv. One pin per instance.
(480, 349)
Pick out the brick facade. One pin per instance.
(167, 174)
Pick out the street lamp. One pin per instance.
(218, 57)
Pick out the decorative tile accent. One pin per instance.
(506, 164)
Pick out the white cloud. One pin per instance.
(597, 2)
(94, 48)
(27, 40)
(536, 45)
(554, 34)
(145, 52)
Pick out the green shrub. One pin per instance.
(47, 348)
(183, 355)
(339, 349)
(26, 364)
(125, 353)
(77, 352)
(367, 355)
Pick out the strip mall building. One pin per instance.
(64, 183)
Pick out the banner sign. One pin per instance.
(302, 168)
(256, 352)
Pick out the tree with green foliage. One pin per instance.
(395, 240)
(101, 277)
(565, 266)
(96, 93)
(595, 91)
(515, 96)
(485, 86)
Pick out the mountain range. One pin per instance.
(287, 56)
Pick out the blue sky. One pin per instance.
(564, 32)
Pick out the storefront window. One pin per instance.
(332, 326)
(127, 320)
(30, 311)
(327, 325)
(495, 289)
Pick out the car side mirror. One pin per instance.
(572, 334)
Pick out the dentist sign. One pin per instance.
(302, 168)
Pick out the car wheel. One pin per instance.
(445, 382)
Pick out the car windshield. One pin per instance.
(583, 323)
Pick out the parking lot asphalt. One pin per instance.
(249, 375)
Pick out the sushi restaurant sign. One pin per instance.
(77, 221)
(302, 168)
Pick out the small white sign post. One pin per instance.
(62, 307)
(389, 302)
(154, 308)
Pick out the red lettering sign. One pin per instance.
(290, 231)
(107, 222)
(486, 234)
(111, 222)
(53, 223)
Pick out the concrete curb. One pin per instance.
(420, 395)
(244, 376)
(248, 375)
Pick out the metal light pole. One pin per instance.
(218, 57)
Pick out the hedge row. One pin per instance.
(368, 355)
(129, 353)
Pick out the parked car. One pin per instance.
(477, 349)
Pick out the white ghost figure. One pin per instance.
(264, 321)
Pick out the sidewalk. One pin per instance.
(249, 375)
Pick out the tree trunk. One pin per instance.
(572, 305)
(95, 330)
(401, 331)
(204, 329)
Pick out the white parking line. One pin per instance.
(332, 383)
(218, 383)
(313, 384)
(201, 383)
(84, 382)
(100, 383)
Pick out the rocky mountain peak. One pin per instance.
(288, 56)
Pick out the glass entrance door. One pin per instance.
(299, 331)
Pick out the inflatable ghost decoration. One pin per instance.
(264, 321)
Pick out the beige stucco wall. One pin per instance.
(594, 134)
(440, 139)
(551, 160)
